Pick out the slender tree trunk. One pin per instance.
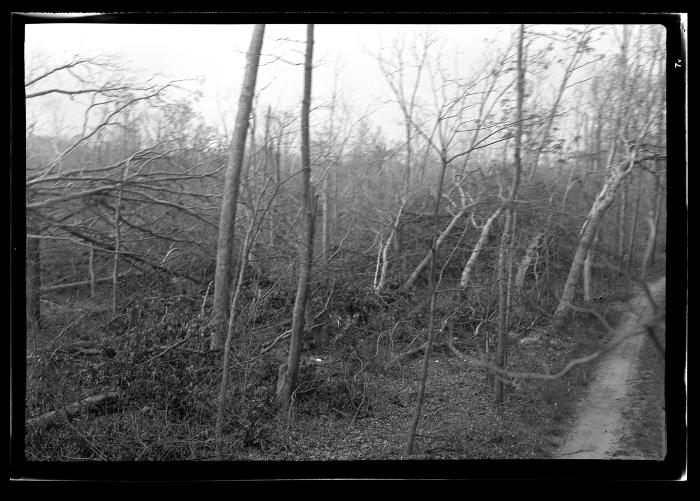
(33, 284)
(661, 139)
(391, 240)
(431, 321)
(657, 218)
(229, 204)
(633, 231)
(91, 270)
(587, 268)
(527, 260)
(117, 241)
(503, 259)
(324, 218)
(288, 376)
(622, 218)
(250, 167)
(502, 309)
(485, 230)
(651, 241)
(378, 262)
(229, 337)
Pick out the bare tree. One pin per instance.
(288, 372)
(631, 129)
(504, 249)
(229, 203)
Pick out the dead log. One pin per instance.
(92, 403)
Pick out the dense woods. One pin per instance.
(310, 287)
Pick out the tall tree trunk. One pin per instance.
(633, 231)
(503, 260)
(657, 218)
(324, 218)
(587, 270)
(91, 270)
(229, 337)
(621, 220)
(288, 376)
(117, 241)
(33, 283)
(227, 220)
(431, 321)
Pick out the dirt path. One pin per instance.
(605, 418)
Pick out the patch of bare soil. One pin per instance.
(621, 415)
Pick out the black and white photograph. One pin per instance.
(351, 241)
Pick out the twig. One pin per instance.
(533, 375)
(65, 329)
(352, 423)
(204, 302)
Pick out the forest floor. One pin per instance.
(622, 414)
(168, 383)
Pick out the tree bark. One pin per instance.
(622, 218)
(391, 240)
(600, 205)
(227, 220)
(117, 241)
(324, 218)
(91, 270)
(485, 230)
(503, 259)
(288, 376)
(587, 269)
(657, 218)
(431, 321)
(52, 418)
(229, 337)
(633, 231)
(651, 241)
(527, 259)
(33, 282)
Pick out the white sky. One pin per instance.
(217, 53)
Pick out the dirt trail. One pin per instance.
(601, 423)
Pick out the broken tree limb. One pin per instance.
(485, 229)
(50, 288)
(90, 403)
(503, 373)
(272, 343)
(527, 259)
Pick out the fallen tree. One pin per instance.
(97, 402)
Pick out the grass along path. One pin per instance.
(602, 421)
